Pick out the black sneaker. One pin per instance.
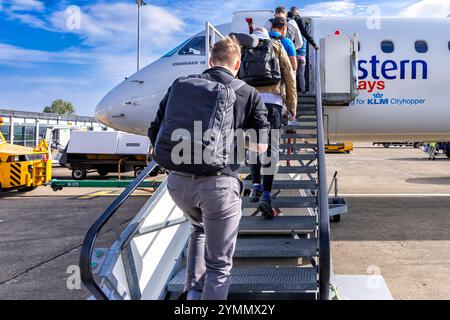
(265, 205)
(256, 192)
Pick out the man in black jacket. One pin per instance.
(294, 14)
(212, 203)
(302, 71)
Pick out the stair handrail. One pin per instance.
(210, 39)
(323, 212)
(87, 248)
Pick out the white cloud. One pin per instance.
(199, 11)
(108, 33)
(114, 24)
(28, 19)
(330, 8)
(427, 9)
(20, 57)
(51, 80)
(25, 11)
(26, 5)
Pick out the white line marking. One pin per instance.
(412, 195)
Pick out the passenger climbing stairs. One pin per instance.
(268, 251)
(287, 257)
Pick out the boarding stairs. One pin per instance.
(268, 252)
(287, 257)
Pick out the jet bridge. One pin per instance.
(285, 258)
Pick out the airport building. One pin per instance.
(26, 128)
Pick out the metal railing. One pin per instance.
(324, 217)
(334, 182)
(88, 245)
(210, 39)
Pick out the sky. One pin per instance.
(78, 50)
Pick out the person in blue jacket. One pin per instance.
(278, 32)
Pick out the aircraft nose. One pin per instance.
(105, 110)
(101, 113)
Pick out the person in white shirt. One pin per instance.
(293, 31)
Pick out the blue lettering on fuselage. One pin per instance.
(390, 69)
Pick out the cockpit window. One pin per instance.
(196, 47)
(174, 50)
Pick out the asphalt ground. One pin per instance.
(398, 225)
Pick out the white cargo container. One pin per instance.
(105, 152)
(107, 142)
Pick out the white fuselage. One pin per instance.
(404, 95)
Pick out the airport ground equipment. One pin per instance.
(23, 168)
(338, 205)
(58, 137)
(146, 261)
(57, 184)
(445, 147)
(344, 147)
(105, 152)
(398, 144)
(434, 149)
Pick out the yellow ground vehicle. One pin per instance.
(23, 168)
(345, 147)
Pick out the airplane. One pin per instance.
(402, 75)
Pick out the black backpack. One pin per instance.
(260, 66)
(196, 134)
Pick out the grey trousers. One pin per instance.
(301, 76)
(213, 206)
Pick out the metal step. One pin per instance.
(306, 112)
(306, 106)
(298, 127)
(286, 170)
(288, 184)
(284, 202)
(306, 117)
(264, 247)
(298, 136)
(304, 120)
(299, 157)
(256, 279)
(277, 225)
(298, 145)
(308, 95)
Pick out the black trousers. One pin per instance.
(275, 116)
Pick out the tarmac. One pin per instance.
(397, 226)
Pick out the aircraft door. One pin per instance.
(339, 74)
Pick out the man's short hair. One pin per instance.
(278, 23)
(226, 51)
(280, 9)
(295, 11)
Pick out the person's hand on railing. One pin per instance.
(291, 116)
